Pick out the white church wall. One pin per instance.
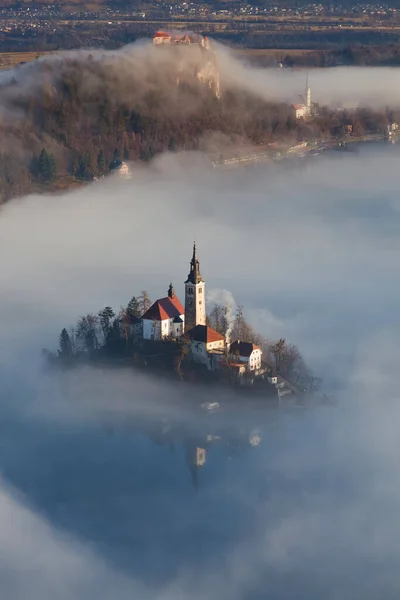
(151, 329)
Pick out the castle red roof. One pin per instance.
(165, 308)
(202, 333)
(162, 34)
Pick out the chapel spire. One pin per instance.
(195, 301)
(194, 275)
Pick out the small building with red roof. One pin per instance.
(246, 353)
(165, 318)
(206, 345)
(161, 37)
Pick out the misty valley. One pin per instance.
(199, 297)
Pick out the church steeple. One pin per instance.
(308, 94)
(195, 303)
(194, 275)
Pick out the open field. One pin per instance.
(11, 59)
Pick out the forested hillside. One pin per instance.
(66, 117)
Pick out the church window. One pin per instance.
(200, 302)
(200, 290)
(190, 290)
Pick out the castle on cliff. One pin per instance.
(206, 70)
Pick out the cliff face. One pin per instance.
(196, 56)
(209, 75)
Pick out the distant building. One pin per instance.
(303, 111)
(161, 37)
(165, 37)
(207, 346)
(120, 168)
(392, 128)
(247, 353)
(165, 318)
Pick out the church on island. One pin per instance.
(304, 110)
(168, 319)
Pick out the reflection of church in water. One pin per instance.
(198, 444)
(195, 459)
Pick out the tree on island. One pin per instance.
(87, 331)
(105, 317)
(218, 318)
(65, 349)
(183, 350)
(125, 320)
(144, 302)
(134, 307)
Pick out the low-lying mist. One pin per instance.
(93, 502)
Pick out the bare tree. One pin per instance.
(125, 325)
(218, 318)
(183, 351)
(87, 332)
(144, 302)
(278, 350)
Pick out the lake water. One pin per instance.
(238, 499)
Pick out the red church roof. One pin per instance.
(165, 308)
(202, 333)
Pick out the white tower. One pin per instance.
(195, 298)
(308, 96)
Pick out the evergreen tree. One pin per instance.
(45, 166)
(65, 345)
(105, 316)
(126, 152)
(101, 162)
(74, 162)
(133, 308)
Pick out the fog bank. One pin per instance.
(95, 499)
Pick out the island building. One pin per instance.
(304, 110)
(248, 354)
(164, 319)
(119, 167)
(195, 303)
(168, 319)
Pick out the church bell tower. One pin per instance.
(195, 300)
